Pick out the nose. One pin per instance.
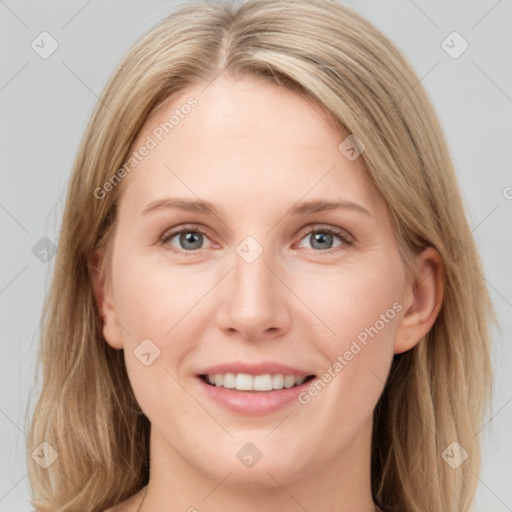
(253, 302)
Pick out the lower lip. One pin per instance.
(253, 403)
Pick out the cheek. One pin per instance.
(353, 302)
(158, 309)
(156, 305)
(152, 300)
(359, 309)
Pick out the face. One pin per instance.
(230, 252)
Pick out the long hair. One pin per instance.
(436, 392)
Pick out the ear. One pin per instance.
(102, 290)
(422, 300)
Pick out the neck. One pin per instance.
(341, 482)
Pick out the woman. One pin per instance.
(265, 295)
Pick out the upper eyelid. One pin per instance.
(345, 235)
(171, 233)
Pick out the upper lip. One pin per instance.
(254, 369)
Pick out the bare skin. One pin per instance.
(255, 150)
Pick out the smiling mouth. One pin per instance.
(259, 383)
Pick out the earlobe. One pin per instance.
(102, 290)
(423, 300)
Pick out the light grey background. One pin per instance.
(46, 103)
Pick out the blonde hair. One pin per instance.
(436, 392)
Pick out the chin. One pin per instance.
(265, 473)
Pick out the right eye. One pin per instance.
(188, 239)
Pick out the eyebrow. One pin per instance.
(207, 208)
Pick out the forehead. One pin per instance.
(243, 139)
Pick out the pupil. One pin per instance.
(194, 239)
(321, 238)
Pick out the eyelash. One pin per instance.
(346, 239)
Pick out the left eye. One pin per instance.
(323, 239)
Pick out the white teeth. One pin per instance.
(277, 381)
(289, 381)
(246, 382)
(262, 382)
(243, 382)
(229, 380)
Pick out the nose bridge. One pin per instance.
(254, 299)
(252, 280)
